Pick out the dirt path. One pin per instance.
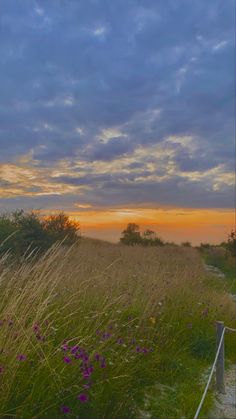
(225, 404)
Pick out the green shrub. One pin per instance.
(25, 233)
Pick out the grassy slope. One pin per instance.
(144, 318)
(219, 257)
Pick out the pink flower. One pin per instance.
(83, 398)
(67, 360)
(65, 409)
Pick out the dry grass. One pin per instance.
(111, 300)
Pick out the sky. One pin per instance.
(119, 111)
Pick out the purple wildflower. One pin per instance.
(67, 360)
(1, 322)
(21, 357)
(85, 357)
(103, 364)
(78, 356)
(120, 341)
(83, 398)
(1, 370)
(87, 385)
(106, 336)
(65, 409)
(97, 357)
(65, 347)
(74, 349)
(10, 323)
(36, 327)
(86, 374)
(138, 349)
(41, 338)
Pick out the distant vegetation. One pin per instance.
(132, 236)
(22, 232)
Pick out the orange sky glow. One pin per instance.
(172, 224)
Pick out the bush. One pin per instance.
(131, 236)
(23, 233)
(231, 244)
(60, 227)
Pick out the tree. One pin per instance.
(186, 244)
(22, 232)
(60, 227)
(131, 235)
(149, 238)
(231, 244)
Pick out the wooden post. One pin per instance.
(220, 365)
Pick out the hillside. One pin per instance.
(100, 330)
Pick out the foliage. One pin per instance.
(231, 244)
(132, 236)
(186, 244)
(105, 331)
(60, 227)
(23, 233)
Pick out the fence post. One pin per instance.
(220, 365)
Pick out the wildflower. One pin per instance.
(41, 338)
(87, 385)
(86, 374)
(10, 323)
(83, 398)
(74, 349)
(120, 341)
(21, 357)
(106, 336)
(65, 409)
(97, 357)
(103, 364)
(65, 347)
(67, 360)
(152, 320)
(1, 370)
(138, 349)
(36, 327)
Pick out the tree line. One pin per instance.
(23, 233)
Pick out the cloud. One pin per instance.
(131, 103)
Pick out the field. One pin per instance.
(109, 331)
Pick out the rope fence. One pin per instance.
(218, 364)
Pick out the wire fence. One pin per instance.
(218, 364)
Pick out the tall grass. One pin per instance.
(100, 331)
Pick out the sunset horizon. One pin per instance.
(126, 114)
